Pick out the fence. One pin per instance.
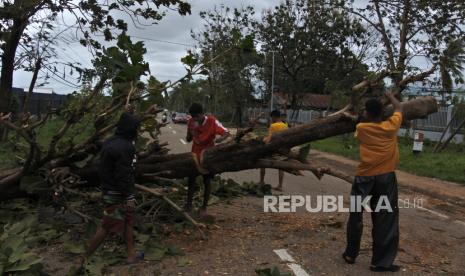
(294, 117)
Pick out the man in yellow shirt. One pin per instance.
(376, 180)
(277, 125)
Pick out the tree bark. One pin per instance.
(8, 59)
(37, 67)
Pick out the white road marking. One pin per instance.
(427, 210)
(183, 142)
(296, 268)
(459, 222)
(169, 127)
(436, 213)
(282, 253)
(174, 131)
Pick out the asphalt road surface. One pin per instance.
(245, 238)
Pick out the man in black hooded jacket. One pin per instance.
(116, 171)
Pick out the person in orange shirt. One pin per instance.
(376, 178)
(277, 125)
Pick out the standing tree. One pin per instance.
(18, 17)
(229, 35)
(412, 32)
(314, 44)
(187, 92)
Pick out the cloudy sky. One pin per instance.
(164, 58)
(166, 43)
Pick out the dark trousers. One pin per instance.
(192, 187)
(385, 232)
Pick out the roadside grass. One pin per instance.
(13, 151)
(448, 165)
(8, 155)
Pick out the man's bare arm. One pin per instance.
(395, 102)
(222, 138)
(189, 136)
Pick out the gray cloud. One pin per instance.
(164, 58)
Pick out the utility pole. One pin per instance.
(272, 82)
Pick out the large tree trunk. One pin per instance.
(229, 157)
(37, 67)
(8, 59)
(246, 155)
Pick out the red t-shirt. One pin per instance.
(203, 135)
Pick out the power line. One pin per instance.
(163, 41)
(70, 84)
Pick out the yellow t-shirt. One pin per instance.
(277, 127)
(379, 153)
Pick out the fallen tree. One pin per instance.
(250, 154)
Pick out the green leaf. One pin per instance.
(182, 262)
(28, 260)
(154, 253)
(12, 242)
(142, 238)
(74, 248)
(33, 184)
(95, 267)
(18, 253)
(173, 251)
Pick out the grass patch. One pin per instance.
(8, 155)
(448, 165)
(14, 150)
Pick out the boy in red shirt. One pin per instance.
(202, 131)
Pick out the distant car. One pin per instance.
(181, 118)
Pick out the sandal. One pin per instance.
(347, 259)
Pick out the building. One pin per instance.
(41, 100)
(310, 106)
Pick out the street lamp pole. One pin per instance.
(272, 82)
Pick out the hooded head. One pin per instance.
(127, 126)
(196, 111)
(275, 116)
(374, 109)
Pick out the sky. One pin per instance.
(164, 58)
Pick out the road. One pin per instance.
(244, 238)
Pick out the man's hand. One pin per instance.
(395, 102)
(131, 204)
(222, 138)
(189, 136)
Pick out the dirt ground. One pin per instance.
(244, 238)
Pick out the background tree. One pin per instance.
(314, 45)
(188, 92)
(18, 17)
(154, 89)
(412, 32)
(228, 34)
